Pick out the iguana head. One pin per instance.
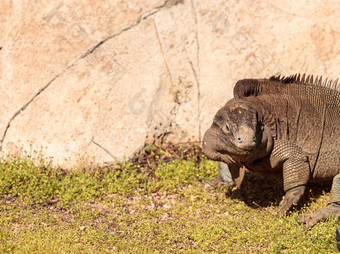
(235, 135)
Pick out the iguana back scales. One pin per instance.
(287, 127)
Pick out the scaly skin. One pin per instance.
(288, 128)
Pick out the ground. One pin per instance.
(155, 203)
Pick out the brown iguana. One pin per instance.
(287, 127)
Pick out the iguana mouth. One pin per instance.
(247, 148)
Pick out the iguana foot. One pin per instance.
(310, 219)
(218, 183)
(291, 198)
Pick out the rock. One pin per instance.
(90, 82)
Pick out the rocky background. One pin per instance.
(88, 82)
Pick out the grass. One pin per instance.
(153, 204)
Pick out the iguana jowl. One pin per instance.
(288, 127)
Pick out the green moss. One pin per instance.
(161, 209)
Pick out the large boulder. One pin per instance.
(90, 82)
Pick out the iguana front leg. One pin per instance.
(224, 173)
(228, 176)
(295, 169)
(231, 174)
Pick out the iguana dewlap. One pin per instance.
(287, 127)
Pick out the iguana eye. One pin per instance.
(227, 127)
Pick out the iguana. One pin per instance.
(287, 127)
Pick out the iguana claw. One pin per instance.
(291, 198)
(310, 219)
(218, 183)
